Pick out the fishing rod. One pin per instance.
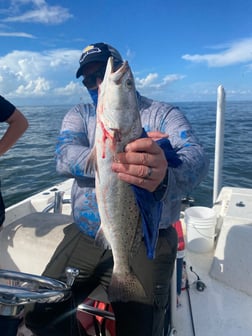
(187, 287)
(200, 286)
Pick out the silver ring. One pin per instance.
(149, 172)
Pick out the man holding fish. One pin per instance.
(132, 159)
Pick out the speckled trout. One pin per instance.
(118, 123)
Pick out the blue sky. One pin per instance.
(179, 50)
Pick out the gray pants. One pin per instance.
(95, 265)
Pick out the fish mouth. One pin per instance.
(118, 70)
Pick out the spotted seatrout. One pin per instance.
(118, 123)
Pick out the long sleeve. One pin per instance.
(75, 142)
(194, 167)
(73, 148)
(194, 159)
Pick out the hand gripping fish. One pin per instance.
(118, 123)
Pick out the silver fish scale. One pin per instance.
(119, 213)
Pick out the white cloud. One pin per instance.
(40, 13)
(148, 80)
(30, 63)
(26, 73)
(169, 79)
(236, 53)
(70, 89)
(51, 74)
(242, 93)
(17, 34)
(151, 80)
(37, 87)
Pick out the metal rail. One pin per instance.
(18, 289)
(58, 202)
(219, 141)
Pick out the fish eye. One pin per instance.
(128, 83)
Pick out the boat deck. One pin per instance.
(218, 310)
(224, 307)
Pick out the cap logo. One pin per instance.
(88, 51)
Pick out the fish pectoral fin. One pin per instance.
(100, 239)
(91, 163)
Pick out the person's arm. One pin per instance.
(17, 126)
(133, 165)
(73, 145)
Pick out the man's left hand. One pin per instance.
(143, 163)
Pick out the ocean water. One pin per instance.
(29, 167)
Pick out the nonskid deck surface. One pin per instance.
(224, 307)
(218, 310)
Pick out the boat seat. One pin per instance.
(96, 314)
(232, 260)
(28, 243)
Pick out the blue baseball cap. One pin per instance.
(97, 52)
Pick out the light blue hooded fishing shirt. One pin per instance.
(76, 141)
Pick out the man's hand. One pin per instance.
(143, 163)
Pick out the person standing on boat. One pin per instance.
(168, 183)
(17, 126)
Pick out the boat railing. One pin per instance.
(57, 203)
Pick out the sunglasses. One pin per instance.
(89, 81)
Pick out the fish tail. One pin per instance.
(125, 287)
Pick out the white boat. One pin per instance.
(217, 299)
(224, 306)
